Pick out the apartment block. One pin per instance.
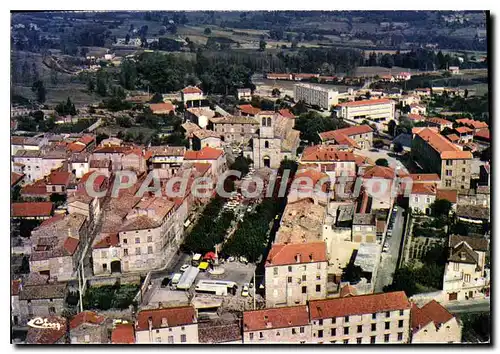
(436, 154)
(316, 95)
(296, 273)
(377, 111)
(366, 319)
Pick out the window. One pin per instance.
(251, 336)
(448, 172)
(374, 327)
(289, 279)
(138, 251)
(266, 144)
(333, 332)
(320, 333)
(289, 269)
(467, 278)
(318, 288)
(334, 320)
(346, 341)
(464, 162)
(275, 270)
(301, 329)
(104, 266)
(346, 330)
(463, 178)
(447, 183)
(374, 316)
(264, 122)
(401, 312)
(456, 267)
(317, 266)
(304, 290)
(278, 334)
(360, 329)
(294, 331)
(125, 241)
(427, 200)
(373, 339)
(400, 323)
(170, 339)
(150, 238)
(387, 325)
(400, 336)
(449, 162)
(346, 319)
(318, 277)
(358, 340)
(150, 249)
(320, 322)
(416, 199)
(386, 338)
(137, 240)
(261, 335)
(304, 277)
(125, 252)
(388, 314)
(463, 169)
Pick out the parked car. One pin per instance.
(243, 260)
(184, 268)
(230, 259)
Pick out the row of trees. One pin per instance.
(311, 123)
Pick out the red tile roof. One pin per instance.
(463, 130)
(249, 109)
(453, 137)
(440, 121)
(442, 145)
(123, 334)
(325, 153)
(348, 290)
(448, 194)
(35, 209)
(47, 335)
(98, 181)
(174, 316)
(70, 245)
(379, 172)
(191, 89)
(416, 117)
(207, 153)
(86, 139)
(366, 102)
(424, 177)
(432, 312)
(38, 188)
(483, 133)
(282, 317)
(349, 131)
(161, 107)
(111, 149)
(53, 219)
(284, 254)
(75, 147)
(423, 188)
(15, 178)
(286, 113)
(277, 75)
(476, 124)
(59, 178)
(358, 305)
(86, 317)
(107, 241)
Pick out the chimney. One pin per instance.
(164, 322)
(297, 258)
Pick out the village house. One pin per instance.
(123, 333)
(53, 335)
(58, 182)
(432, 324)
(88, 327)
(365, 319)
(205, 138)
(192, 96)
(175, 325)
(475, 125)
(162, 108)
(234, 129)
(440, 123)
(32, 210)
(420, 109)
(215, 157)
(165, 161)
(244, 94)
(464, 274)
(436, 154)
(278, 325)
(330, 160)
(57, 246)
(198, 116)
(247, 110)
(360, 136)
(295, 273)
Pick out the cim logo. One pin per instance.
(43, 323)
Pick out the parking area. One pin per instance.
(375, 154)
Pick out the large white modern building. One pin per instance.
(316, 95)
(378, 111)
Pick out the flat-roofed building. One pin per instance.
(377, 111)
(316, 95)
(365, 319)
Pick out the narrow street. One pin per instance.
(389, 260)
(480, 305)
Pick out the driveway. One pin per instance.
(388, 264)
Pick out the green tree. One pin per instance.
(39, 88)
(262, 45)
(398, 147)
(441, 207)
(207, 31)
(124, 122)
(128, 74)
(382, 162)
(391, 127)
(102, 83)
(157, 98)
(403, 280)
(352, 273)
(275, 92)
